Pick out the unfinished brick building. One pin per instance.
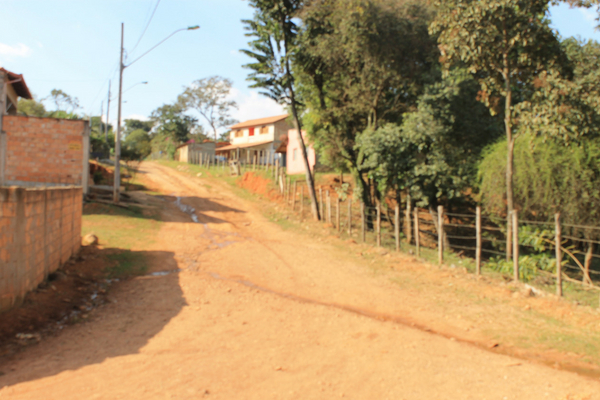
(44, 173)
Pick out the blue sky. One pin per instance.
(73, 45)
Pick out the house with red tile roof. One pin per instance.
(257, 139)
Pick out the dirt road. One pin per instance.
(240, 309)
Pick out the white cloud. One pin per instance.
(19, 50)
(588, 15)
(254, 106)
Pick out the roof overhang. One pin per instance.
(18, 83)
(260, 121)
(243, 145)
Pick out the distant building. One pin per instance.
(294, 161)
(258, 138)
(192, 151)
(14, 87)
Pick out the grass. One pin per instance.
(126, 264)
(126, 232)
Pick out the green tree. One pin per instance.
(137, 145)
(506, 44)
(362, 65)
(62, 102)
(208, 97)
(32, 108)
(135, 124)
(170, 121)
(274, 45)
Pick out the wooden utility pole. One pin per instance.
(117, 171)
(107, 114)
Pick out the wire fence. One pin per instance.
(526, 249)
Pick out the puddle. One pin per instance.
(212, 236)
(187, 209)
(165, 273)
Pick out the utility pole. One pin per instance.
(117, 173)
(107, 114)
(122, 66)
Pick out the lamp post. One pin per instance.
(122, 66)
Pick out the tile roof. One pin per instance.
(260, 121)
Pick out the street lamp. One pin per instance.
(122, 66)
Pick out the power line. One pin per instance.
(146, 28)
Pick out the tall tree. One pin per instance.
(62, 101)
(208, 97)
(135, 124)
(274, 47)
(363, 64)
(171, 122)
(506, 44)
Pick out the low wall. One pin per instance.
(43, 152)
(40, 229)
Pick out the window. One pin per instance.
(251, 131)
(264, 130)
(239, 133)
(295, 155)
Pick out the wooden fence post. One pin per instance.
(337, 214)
(294, 196)
(558, 240)
(254, 163)
(417, 233)
(478, 243)
(509, 231)
(378, 225)
(515, 228)
(397, 225)
(349, 216)
(289, 189)
(276, 172)
(301, 201)
(408, 219)
(328, 208)
(321, 208)
(440, 235)
(363, 222)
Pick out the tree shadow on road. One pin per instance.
(179, 209)
(110, 318)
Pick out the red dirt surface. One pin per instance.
(255, 183)
(64, 298)
(247, 310)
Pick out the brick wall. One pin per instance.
(44, 151)
(40, 229)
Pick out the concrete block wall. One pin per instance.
(44, 151)
(40, 229)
